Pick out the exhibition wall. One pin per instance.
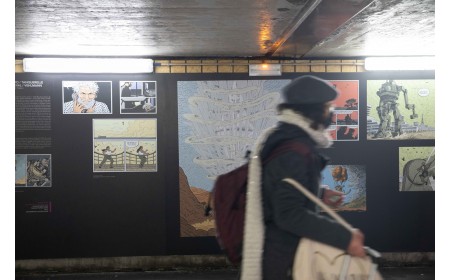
(122, 164)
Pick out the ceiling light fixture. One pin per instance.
(88, 65)
(399, 63)
(265, 69)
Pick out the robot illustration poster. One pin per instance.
(400, 109)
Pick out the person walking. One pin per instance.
(277, 214)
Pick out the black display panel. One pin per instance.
(71, 207)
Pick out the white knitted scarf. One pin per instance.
(254, 223)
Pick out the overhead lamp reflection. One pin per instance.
(400, 63)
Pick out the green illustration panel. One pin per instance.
(400, 109)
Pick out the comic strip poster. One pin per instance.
(416, 169)
(87, 97)
(400, 109)
(345, 124)
(349, 179)
(125, 145)
(33, 170)
(218, 122)
(138, 97)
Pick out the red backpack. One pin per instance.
(229, 197)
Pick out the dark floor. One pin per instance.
(405, 273)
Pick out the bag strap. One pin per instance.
(373, 253)
(316, 200)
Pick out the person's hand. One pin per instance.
(77, 107)
(356, 246)
(332, 198)
(91, 110)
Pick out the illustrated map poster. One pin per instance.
(219, 121)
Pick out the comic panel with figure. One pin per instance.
(141, 155)
(349, 179)
(138, 97)
(33, 170)
(91, 97)
(400, 109)
(345, 123)
(109, 155)
(125, 145)
(416, 169)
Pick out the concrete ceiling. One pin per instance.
(302, 29)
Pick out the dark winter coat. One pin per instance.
(288, 214)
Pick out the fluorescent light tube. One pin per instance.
(88, 65)
(400, 63)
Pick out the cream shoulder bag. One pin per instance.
(314, 260)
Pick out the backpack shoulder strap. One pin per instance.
(288, 146)
(284, 147)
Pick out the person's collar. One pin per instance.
(320, 136)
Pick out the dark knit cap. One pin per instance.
(308, 90)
